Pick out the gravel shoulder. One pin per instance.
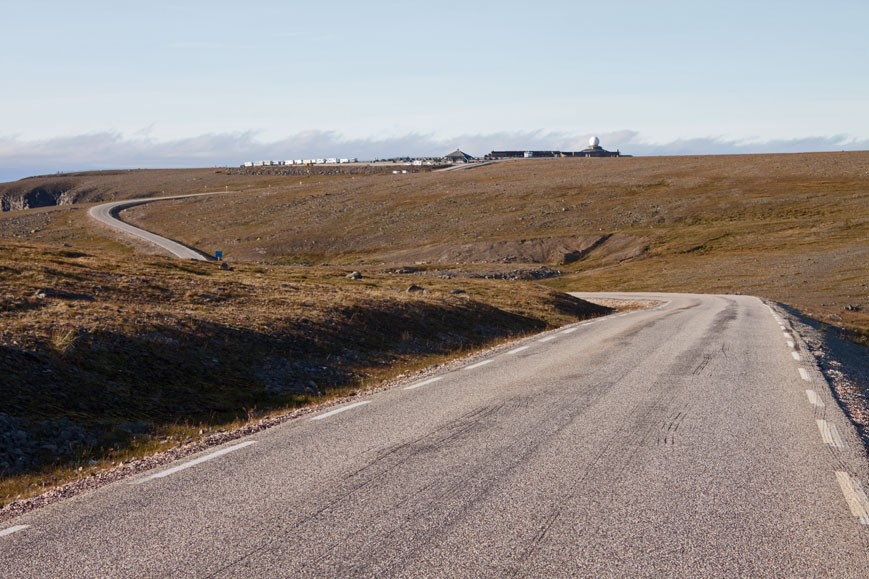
(844, 363)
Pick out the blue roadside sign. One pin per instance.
(218, 255)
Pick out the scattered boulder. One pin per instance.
(354, 275)
(458, 291)
(414, 288)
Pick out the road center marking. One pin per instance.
(14, 529)
(814, 399)
(199, 460)
(547, 338)
(804, 375)
(339, 410)
(854, 496)
(796, 355)
(517, 350)
(830, 434)
(424, 383)
(478, 364)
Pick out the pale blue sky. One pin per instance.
(104, 84)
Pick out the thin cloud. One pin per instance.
(197, 45)
(112, 150)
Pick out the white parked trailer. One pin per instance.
(343, 160)
(332, 161)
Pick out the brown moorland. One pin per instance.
(793, 228)
(104, 358)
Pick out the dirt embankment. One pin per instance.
(102, 358)
(548, 250)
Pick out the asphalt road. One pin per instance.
(693, 440)
(106, 212)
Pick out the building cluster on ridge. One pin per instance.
(456, 157)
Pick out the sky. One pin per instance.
(119, 84)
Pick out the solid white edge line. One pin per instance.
(854, 496)
(804, 375)
(569, 330)
(796, 355)
(478, 364)
(199, 460)
(547, 338)
(425, 382)
(339, 410)
(519, 349)
(814, 399)
(14, 529)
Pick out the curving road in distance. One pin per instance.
(107, 214)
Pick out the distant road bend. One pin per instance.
(694, 439)
(106, 213)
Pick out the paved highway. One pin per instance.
(106, 213)
(696, 439)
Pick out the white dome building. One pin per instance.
(595, 150)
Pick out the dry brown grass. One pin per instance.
(144, 353)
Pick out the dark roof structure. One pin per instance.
(458, 156)
(595, 151)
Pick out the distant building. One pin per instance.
(458, 156)
(593, 150)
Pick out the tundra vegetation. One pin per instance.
(109, 353)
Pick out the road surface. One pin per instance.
(106, 213)
(696, 439)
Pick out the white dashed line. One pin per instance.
(830, 434)
(569, 330)
(790, 344)
(547, 338)
(339, 410)
(478, 364)
(199, 460)
(14, 529)
(796, 355)
(517, 350)
(804, 375)
(814, 399)
(425, 382)
(854, 496)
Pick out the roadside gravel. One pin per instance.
(844, 363)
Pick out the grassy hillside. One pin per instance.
(103, 357)
(789, 227)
